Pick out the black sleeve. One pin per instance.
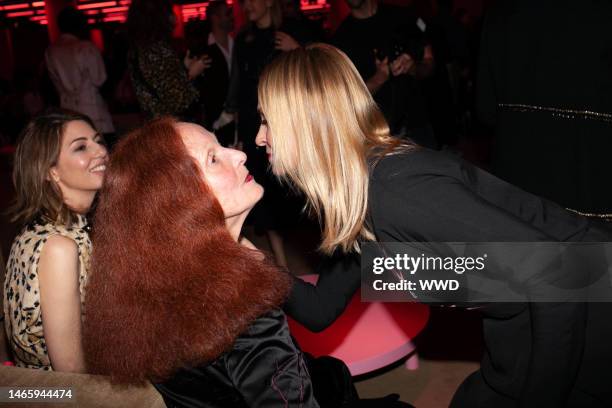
(442, 209)
(231, 102)
(316, 307)
(267, 368)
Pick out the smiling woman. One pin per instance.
(59, 167)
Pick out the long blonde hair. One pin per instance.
(325, 128)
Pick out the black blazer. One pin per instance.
(537, 354)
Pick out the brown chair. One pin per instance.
(90, 391)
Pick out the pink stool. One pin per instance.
(367, 336)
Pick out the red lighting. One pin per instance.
(315, 7)
(97, 5)
(114, 18)
(114, 9)
(16, 6)
(13, 6)
(20, 14)
(98, 11)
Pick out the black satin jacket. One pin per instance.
(265, 368)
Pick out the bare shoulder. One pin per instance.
(58, 255)
(59, 245)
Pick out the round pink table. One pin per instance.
(367, 336)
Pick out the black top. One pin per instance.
(263, 369)
(432, 197)
(550, 54)
(254, 48)
(213, 85)
(388, 33)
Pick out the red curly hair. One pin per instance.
(169, 287)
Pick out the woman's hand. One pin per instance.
(195, 66)
(285, 42)
(402, 65)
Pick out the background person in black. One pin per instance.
(388, 46)
(265, 36)
(366, 185)
(539, 62)
(214, 86)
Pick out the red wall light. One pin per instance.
(97, 5)
(20, 14)
(16, 6)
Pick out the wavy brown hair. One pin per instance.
(169, 287)
(38, 149)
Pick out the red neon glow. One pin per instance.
(97, 38)
(114, 9)
(115, 18)
(20, 14)
(16, 6)
(315, 7)
(97, 5)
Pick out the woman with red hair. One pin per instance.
(173, 297)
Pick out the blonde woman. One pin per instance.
(323, 132)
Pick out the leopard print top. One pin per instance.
(23, 318)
